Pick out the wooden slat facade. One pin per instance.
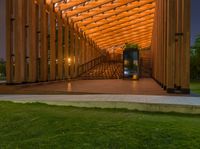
(52, 39)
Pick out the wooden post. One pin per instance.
(9, 43)
(52, 43)
(60, 48)
(66, 55)
(75, 54)
(72, 56)
(171, 30)
(32, 42)
(19, 42)
(43, 50)
(185, 51)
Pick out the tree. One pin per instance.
(195, 59)
(131, 45)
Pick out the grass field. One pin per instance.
(42, 126)
(195, 87)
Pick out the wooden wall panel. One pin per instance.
(170, 45)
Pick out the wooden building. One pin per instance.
(58, 39)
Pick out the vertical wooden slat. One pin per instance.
(171, 19)
(52, 43)
(43, 49)
(66, 55)
(32, 42)
(60, 48)
(19, 42)
(9, 77)
(72, 56)
(75, 54)
(185, 71)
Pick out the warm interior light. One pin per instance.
(69, 61)
(135, 77)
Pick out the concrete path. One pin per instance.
(173, 100)
(179, 104)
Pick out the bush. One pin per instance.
(195, 60)
(131, 45)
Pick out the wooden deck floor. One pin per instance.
(144, 86)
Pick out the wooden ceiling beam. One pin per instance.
(109, 22)
(138, 37)
(136, 41)
(135, 24)
(88, 7)
(129, 28)
(116, 11)
(131, 20)
(71, 4)
(121, 35)
(130, 32)
(114, 19)
(147, 43)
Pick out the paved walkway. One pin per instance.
(134, 102)
(177, 100)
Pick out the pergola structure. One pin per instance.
(55, 39)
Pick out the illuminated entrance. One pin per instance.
(57, 39)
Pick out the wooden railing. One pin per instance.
(91, 64)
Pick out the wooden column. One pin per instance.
(86, 50)
(52, 43)
(9, 46)
(185, 51)
(81, 50)
(165, 42)
(60, 48)
(32, 42)
(171, 30)
(43, 50)
(178, 42)
(66, 52)
(76, 48)
(19, 44)
(72, 51)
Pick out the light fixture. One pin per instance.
(69, 61)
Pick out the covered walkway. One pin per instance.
(51, 40)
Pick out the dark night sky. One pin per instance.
(195, 23)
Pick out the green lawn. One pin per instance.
(36, 126)
(195, 87)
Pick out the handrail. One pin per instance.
(89, 65)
